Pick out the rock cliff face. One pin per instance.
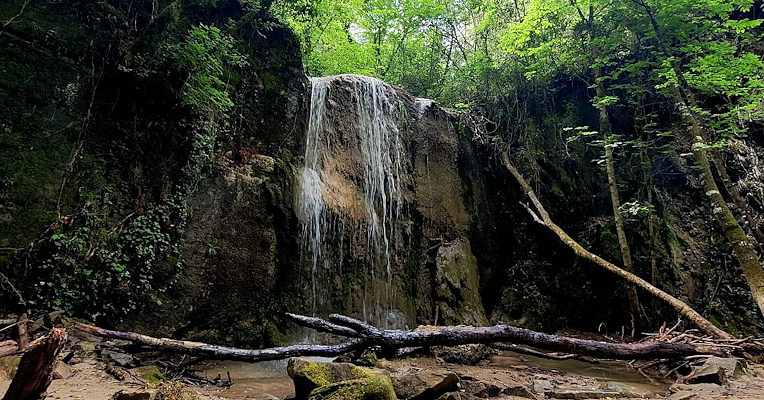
(119, 202)
(381, 189)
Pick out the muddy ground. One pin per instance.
(89, 379)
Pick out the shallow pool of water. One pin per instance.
(615, 371)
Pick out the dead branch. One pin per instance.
(366, 336)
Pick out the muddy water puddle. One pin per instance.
(253, 380)
(613, 371)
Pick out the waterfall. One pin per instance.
(351, 177)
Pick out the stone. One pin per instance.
(268, 396)
(424, 384)
(732, 366)
(313, 380)
(61, 370)
(121, 359)
(682, 396)
(712, 373)
(624, 390)
(699, 388)
(135, 394)
(540, 386)
(457, 285)
(581, 394)
(373, 387)
(466, 354)
(519, 391)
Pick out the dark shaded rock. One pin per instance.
(712, 373)
(121, 359)
(424, 385)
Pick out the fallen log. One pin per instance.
(8, 347)
(366, 336)
(34, 373)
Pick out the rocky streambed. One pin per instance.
(94, 373)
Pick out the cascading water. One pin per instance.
(362, 151)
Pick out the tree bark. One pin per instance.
(682, 308)
(21, 328)
(367, 336)
(34, 373)
(615, 200)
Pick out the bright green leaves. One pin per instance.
(204, 55)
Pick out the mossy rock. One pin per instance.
(375, 387)
(149, 373)
(316, 380)
(10, 365)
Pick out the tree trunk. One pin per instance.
(607, 134)
(740, 242)
(34, 373)
(21, 328)
(683, 309)
(367, 336)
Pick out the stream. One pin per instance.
(252, 380)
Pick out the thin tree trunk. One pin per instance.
(682, 308)
(34, 373)
(606, 132)
(737, 238)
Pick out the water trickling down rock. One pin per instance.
(341, 156)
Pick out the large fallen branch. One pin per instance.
(366, 336)
(681, 307)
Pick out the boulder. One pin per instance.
(424, 384)
(121, 359)
(712, 373)
(61, 370)
(317, 380)
(732, 366)
(519, 391)
(541, 385)
(373, 387)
